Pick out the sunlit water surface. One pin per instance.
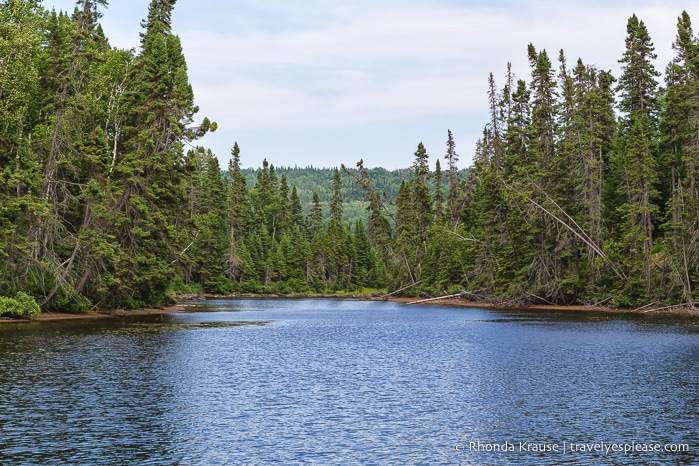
(304, 381)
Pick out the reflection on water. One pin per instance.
(346, 382)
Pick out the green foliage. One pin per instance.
(355, 206)
(574, 195)
(20, 305)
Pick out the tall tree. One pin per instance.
(336, 203)
(679, 149)
(20, 169)
(438, 199)
(421, 197)
(207, 249)
(152, 170)
(452, 173)
(379, 227)
(636, 160)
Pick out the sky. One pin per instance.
(328, 82)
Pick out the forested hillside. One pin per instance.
(584, 187)
(309, 180)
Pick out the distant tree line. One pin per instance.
(312, 180)
(584, 187)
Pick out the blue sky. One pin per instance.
(325, 82)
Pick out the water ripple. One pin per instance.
(344, 382)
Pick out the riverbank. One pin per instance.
(463, 302)
(115, 314)
(670, 310)
(448, 301)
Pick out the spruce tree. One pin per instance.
(209, 220)
(20, 169)
(295, 209)
(679, 127)
(438, 199)
(453, 192)
(420, 193)
(636, 162)
(238, 198)
(336, 203)
(152, 170)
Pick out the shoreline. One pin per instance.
(679, 310)
(446, 301)
(60, 316)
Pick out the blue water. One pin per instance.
(319, 382)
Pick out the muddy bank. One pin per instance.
(671, 310)
(53, 316)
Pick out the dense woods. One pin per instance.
(92, 168)
(584, 186)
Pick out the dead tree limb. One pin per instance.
(580, 234)
(676, 306)
(457, 295)
(398, 291)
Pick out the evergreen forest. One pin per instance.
(584, 187)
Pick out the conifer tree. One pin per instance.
(420, 193)
(209, 220)
(406, 234)
(72, 143)
(239, 215)
(283, 206)
(453, 192)
(635, 162)
(316, 214)
(379, 228)
(238, 199)
(336, 204)
(20, 170)
(679, 127)
(152, 170)
(517, 135)
(295, 209)
(438, 198)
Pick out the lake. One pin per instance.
(325, 382)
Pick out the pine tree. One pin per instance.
(284, 208)
(586, 153)
(517, 135)
(20, 175)
(295, 209)
(239, 216)
(316, 214)
(438, 199)
(209, 219)
(679, 127)
(544, 112)
(152, 171)
(378, 228)
(73, 146)
(406, 235)
(336, 204)
(420, 192)
(453, 192)
(238, 199)
(636, 161)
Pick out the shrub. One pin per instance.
(21, 305)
